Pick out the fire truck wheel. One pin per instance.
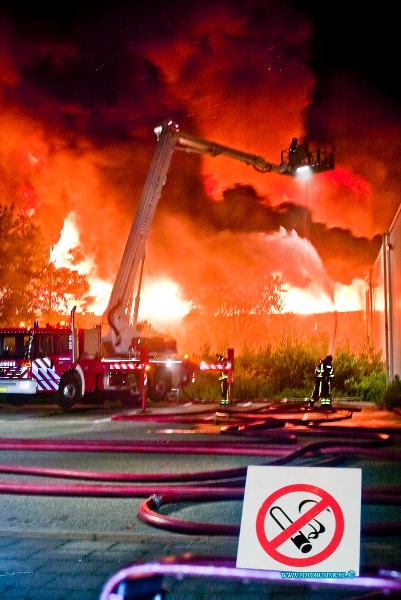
(160, 386)
(70, 390)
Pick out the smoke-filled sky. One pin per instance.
(82, 87)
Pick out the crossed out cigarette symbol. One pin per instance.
(292, 529)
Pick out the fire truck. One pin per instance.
(68, 363)
(118, 356)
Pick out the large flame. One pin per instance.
(62, 254)
(162, 301)
(347, 298)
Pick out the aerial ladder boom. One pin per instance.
(118, 311)
(190, 143)
(122, 324)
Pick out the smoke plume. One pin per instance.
(80, 95)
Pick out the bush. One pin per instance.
(252, 388)
(392, 395)
(286, 370)
(293, 364)
(372, 387)
(359, 372)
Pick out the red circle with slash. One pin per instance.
(326, 501)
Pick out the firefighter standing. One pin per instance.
(324, 373)
(223, 381)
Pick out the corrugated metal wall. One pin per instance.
(383, 299)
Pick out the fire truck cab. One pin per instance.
(33, 360)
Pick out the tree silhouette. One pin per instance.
(56, 288)
(22, 258)
(30, 286)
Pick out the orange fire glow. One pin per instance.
(161, 298)
(162, 303)
(77, 140)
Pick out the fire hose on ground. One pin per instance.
(204, 486)
(207, 486)
(122, 584)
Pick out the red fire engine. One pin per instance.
(68, 363)
(72, 363)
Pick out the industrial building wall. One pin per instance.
(383, 306)
(375, 305)
(394, 263)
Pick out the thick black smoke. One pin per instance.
(82, 88)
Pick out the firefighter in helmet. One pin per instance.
(223, 380)
(324, 373)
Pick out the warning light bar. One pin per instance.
(204, 366)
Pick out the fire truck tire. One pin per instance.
(160, 386)
(70, 390)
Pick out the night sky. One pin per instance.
(83, 85)
(353, 37)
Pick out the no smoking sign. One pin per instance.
(301, 519)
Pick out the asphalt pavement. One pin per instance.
(76, 562)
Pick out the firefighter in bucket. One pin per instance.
(324, 373)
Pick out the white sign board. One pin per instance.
(301, 519)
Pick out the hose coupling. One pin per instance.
(156, 501)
